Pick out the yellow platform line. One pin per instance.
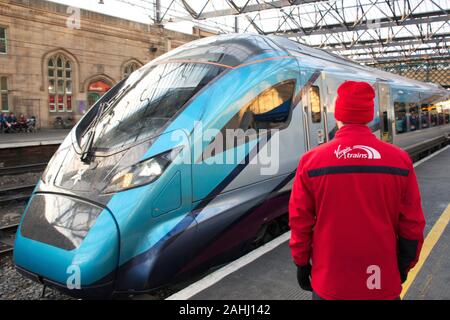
(430, 241)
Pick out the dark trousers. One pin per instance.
(315, 296)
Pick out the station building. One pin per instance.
(55, 65)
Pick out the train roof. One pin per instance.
(299, 49)
(228, 50)
(236, 49)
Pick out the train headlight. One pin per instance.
(141, 173)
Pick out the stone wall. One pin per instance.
(98, 50)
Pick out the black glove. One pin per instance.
(403, 276)
(406, 254)
(303, 277)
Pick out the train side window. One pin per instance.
(400, 117)
(424, 116)
(269, 110)
(413, 112)
(440, 116)
(314, 96)
(433, 116)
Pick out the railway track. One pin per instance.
(7, 231)
(7, 237)
(15, 170)
(17, 194)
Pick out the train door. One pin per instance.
(384, 101)
(314, 121)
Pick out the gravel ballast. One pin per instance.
(13, 286)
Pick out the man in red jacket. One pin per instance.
(355, 211)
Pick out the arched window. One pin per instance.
(60, 74)
(129, 69)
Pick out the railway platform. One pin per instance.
(39, 138)
(26, 152)
(269, 273)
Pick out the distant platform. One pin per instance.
(268, 272)
(41, 137)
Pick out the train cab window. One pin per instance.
(400, 117)
(269, 110)
(314, 96)
(146, 102)
(424, 116)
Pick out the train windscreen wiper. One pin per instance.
(87, 154)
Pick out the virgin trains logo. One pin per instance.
(356, 152)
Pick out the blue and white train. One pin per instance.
(129, 205)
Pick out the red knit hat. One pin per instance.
(355, 102)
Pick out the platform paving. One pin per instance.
(41, 137)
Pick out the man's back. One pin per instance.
(356, 195)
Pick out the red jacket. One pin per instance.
(355, 210)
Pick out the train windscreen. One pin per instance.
(145, 103)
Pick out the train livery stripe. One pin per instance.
(295, 101)
(176, 231)
(224, 65)
(236, 171)
(305, 88)
(203, 203)
(233, 230)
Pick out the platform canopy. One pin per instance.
(391, 34)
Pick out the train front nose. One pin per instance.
(68, 243)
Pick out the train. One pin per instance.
(145, 191)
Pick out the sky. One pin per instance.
(112, 8)
(142, 11)
(136, 10)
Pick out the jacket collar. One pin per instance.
(354, 129)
